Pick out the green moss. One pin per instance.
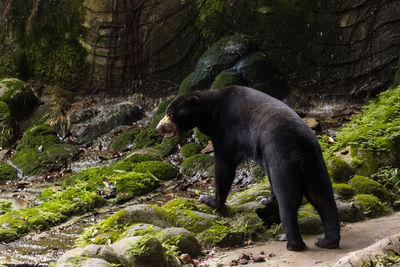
(132, 184)
(250, 195)
(18, 96)
(339, 170)
(368, 186)
(125, 139)
(128, 163)
(344, 191)
(147, 138)
(172, 206)
(7, 173)
(8, 127)
(222, 236)
(168, 145)
(5, 206)
(46, 194)
(50, 42)
(190, 149)
(373, 134)
(200, 137)
(199, 79)
(41, 150)
(161, 170)
(196, 163)
(227, 78)
(370, 205)
(210, 16)
(90, 179)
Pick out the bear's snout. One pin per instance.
(167, 127)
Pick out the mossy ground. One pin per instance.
(190, 149)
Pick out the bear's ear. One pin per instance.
(194, 100)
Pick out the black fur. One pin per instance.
(245, 123)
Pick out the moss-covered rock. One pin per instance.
(224, 53)
(310, 224)
(7, 173)
(200, 137)
(130, 184)
(18, 96)
(227, 78)
(125, 140)
(190, 149)
(147, 138)
(199, 79)
(348, 211)
(8, 127)
(198, 163)
(91, 179)
(161, 170)
(5, 206)
(140, 251)
(368, 186)
(339, 170)
(344, 191)
(260, 74)
(249, 195)
(168, 145)
(112, 227)
(183, 239)
(130, 161)
(370, 205)
(221, 236)
(40, 150)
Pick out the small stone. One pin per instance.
(258, 259)
(244, 256)
(311, 122)
(208, 149)
(281, 237)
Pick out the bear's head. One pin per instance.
(181, 115)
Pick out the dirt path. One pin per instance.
(355, 236)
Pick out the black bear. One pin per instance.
(246, 123)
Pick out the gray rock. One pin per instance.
(195, 221)
(144, 213)
(87, 126)
(140, 251)
(249, 207)
(102, 252)
(95, 262)
(187, 243)
(348, 212)
(311, 225)
(73, 253)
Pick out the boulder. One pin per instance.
(40, 150)
(184, 240)
(7, 173)
(144, 213)
(140, 251)
(87, 124)
(8, 127)
(18, 96)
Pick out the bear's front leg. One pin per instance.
(224, 173)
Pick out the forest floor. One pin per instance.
(354, 237)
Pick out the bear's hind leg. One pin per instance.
(318, 190)
(288, 191)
